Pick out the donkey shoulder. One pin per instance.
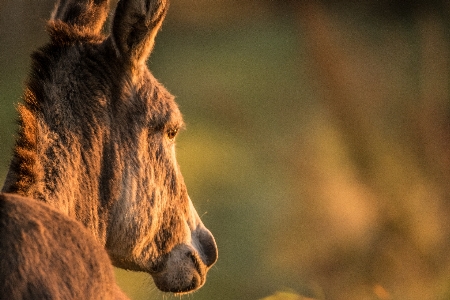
(46, 255)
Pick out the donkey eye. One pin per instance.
(172, 133)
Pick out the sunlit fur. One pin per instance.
(95, 142)
(46, 255)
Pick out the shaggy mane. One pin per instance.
(25, 152)
(62, 34)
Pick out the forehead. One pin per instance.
(82, 77)
(162, 109)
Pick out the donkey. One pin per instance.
(96, 141)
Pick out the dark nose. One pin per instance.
(208, 248)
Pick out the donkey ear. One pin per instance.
(85, 16)
(135, 25)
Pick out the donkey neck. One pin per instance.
(59, 162)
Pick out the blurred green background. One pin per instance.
(317, 148)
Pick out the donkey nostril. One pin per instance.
(208, 246)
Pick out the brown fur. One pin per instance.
(96, 141)
(46, 255)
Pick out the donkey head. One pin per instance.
(97, 141)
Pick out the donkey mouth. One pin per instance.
(180, 271)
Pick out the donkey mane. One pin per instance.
(64, 34)
(25, 150)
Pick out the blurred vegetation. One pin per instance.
(285, 296)
(317, 148)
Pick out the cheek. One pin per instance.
(135, 222)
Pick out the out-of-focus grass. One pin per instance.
(286, 296)
(10, 91)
